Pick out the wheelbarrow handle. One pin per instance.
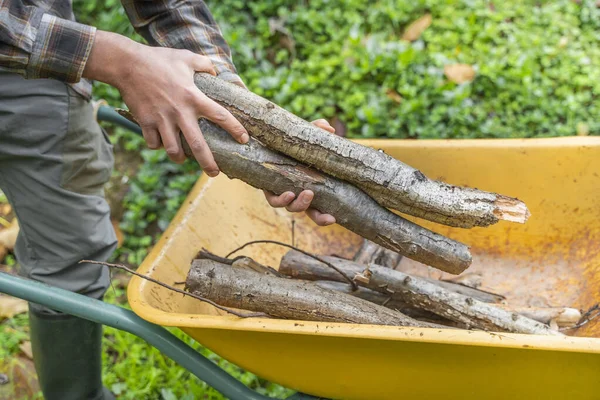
(120, 318)
(104, 112)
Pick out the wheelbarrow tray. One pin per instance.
(552, 260)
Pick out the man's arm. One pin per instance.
(187, 25)
(39, 45)
(156, 82)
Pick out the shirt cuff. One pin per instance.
(60, 50)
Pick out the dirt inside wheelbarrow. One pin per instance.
(550, 274)
(546, 276)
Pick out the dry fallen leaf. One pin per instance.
(416, 28)
(26, 349)
(8, 236)
(11, 306)
(22, 379)
(393, 95)
(459, 73)
(118, 232)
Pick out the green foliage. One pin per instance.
(534, 61)
(133, 370)
(154, 196)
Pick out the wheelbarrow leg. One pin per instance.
(126, 320)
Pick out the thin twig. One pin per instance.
(330, 265)
(585, 318)
(293, 231)
(205, 254)
(195, 296)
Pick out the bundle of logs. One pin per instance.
(369, 289)
(359, 186)
(356, 184)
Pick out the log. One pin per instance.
(562, 316)
(299, 266)
(385, 301)
(370, 252)
(264, 169)
(245, 289)
(390, 182)
(454, 306)
(240, 262)
(425, 295)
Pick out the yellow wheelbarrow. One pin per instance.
(553, 258)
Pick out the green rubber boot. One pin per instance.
(67, 353)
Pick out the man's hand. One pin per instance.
(302, 202)
(157, 84)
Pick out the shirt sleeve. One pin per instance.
(183, 24)
(35, 44)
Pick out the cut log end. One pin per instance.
(511, 209)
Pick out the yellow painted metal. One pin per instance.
(552, 260)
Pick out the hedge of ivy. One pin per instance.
(536, 63)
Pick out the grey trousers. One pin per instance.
(54, 162)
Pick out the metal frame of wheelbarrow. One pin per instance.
(120, 318)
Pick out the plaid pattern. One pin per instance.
(182, 24)
(40, 39)
(61, 49)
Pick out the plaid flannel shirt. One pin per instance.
(41, 39)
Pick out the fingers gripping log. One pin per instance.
(286, 298)
(390, 182)
(353, 209)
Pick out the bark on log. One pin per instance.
(245, 289)
(456, 307)
(299, 266)
(370, 252)
(386, 301)
(390, 182)
(262, 168)
(562, 316)
(425, 295)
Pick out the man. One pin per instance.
(55, 159)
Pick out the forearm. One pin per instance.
(112, 58)
(183, 25)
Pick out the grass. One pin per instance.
(134, 370)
